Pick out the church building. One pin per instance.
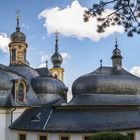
(33, 102)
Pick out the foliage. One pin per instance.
(109, 136)
(124, 12)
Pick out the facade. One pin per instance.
(33, 102)
(22, 87)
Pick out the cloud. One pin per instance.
(135, 70)
(69, 22)
(65, 56)
(25, 26)
(4, 41)
(41, 65)
(47, 56)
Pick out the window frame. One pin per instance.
(22, 133)
(41, 134)
(17, 83)
(14, 54)
(132, 132)
(86, 135)
(21, 92)
(65, 135)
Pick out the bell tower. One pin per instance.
(57, 60)
(18, 46)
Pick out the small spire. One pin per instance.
(56, 41)
(116, 41)
(101, 61)
(46, 63)
(17, 19)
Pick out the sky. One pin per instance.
(79, 43)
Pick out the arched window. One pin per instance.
(13, 54)
(20, 92)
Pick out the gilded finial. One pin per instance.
(17, 19)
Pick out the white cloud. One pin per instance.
(25, 26)
(41, 65)
(135, 70)
(65, 56)
(47, 56)
(69, 22)
(4, 41)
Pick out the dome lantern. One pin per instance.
(116, 57)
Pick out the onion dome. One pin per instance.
(47, 88)
(47, 85)
(18, 36)
(56, 57)
(106, 80)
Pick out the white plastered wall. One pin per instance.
(5, 121)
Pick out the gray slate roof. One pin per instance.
(67, 119)
(105, 99)
(44, 80)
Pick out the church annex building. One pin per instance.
(33, 102)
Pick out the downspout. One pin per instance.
(48, 119)
(12, 114)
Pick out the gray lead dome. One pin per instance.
(44, 85)
(107, 80)
(18, 36)
(56, 60)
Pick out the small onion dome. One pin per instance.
(56, 60)
(107, 80)
(18, 36)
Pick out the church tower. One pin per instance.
(18, 46)
(57, 60)
(116, 57)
